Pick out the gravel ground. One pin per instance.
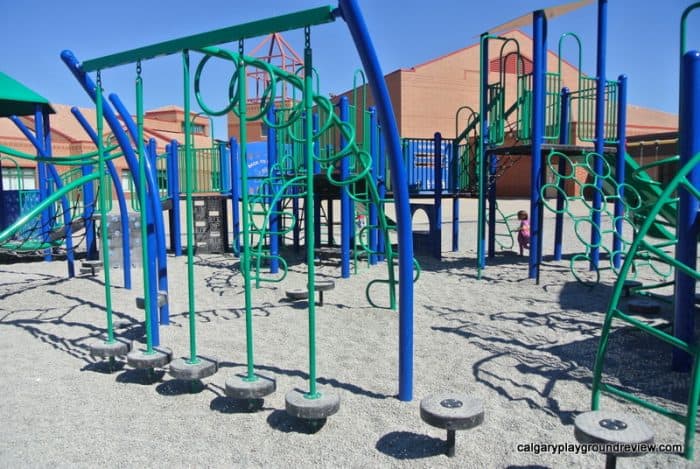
(525, 349)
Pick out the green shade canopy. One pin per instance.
(16, 99)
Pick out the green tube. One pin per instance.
(143, 209)
(309, 221)
(245, 254)
(103, 210)
(190, 224)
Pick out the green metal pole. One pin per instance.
(143, 208)
(309, 209)
(103, 209)
(190, 224)
(245, 255)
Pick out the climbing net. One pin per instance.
(637, 199)
(288, 176)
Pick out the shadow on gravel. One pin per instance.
(228, 405)
(282, 421)
(409, 445)
(143, 377)
(104, 367)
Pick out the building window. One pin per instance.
(197, 129)
(18, 178)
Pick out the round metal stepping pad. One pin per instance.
(452, 411)
(160, 356)
(182, 368)
(628, 285)
(91, 263)
(240, 387)
(162, 300)
(321, 407)
(116, 348)
(643, 306)
(609, 427)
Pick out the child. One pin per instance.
(523, 231)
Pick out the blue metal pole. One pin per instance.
(271, 163)
(599, 131)
(481, 153)
(563, 139)
(358, 29)
(345, 207)
(373, 215)
(235, 197)
(121, 200)
(174, 186)
(159, 274)
(43, 177)
(620, 167)
(688, 207)
(539, 67)
(454, 176)
(436, 233)
(150, 267)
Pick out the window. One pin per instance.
(197, 129)
(18, 178)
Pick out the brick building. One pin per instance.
(68, 138)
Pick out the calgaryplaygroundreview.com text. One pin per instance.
(580, 448)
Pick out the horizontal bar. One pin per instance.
(300, 19)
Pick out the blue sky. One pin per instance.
(643, 41)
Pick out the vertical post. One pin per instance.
(43, 176)
(103, 213)
(88, 200)
(147, 242)
(353, 17)
(620, 167)
(373, 208)
(189, 209)
(688, 206)
(174, 186)
(454, 176)
(310, 231)
(246, 256)
(235, 197)
(481, 153)
(599, 132)
(563, 139)
(539, 46)
(345, 207)
(271, 169)
(436, 229)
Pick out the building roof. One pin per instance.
(16, 99)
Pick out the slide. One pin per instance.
(649, 190)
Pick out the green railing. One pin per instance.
(205, 167)
(586, 110)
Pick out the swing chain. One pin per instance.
(138, 69)
(240, 46)
(307, 37)
(98, 82)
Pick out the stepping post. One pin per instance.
(452, 411)
(613, 431)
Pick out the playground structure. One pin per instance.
(295, 175)
(292, 176)
(681, 196)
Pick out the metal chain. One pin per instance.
(307, 37)
(138, 69)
